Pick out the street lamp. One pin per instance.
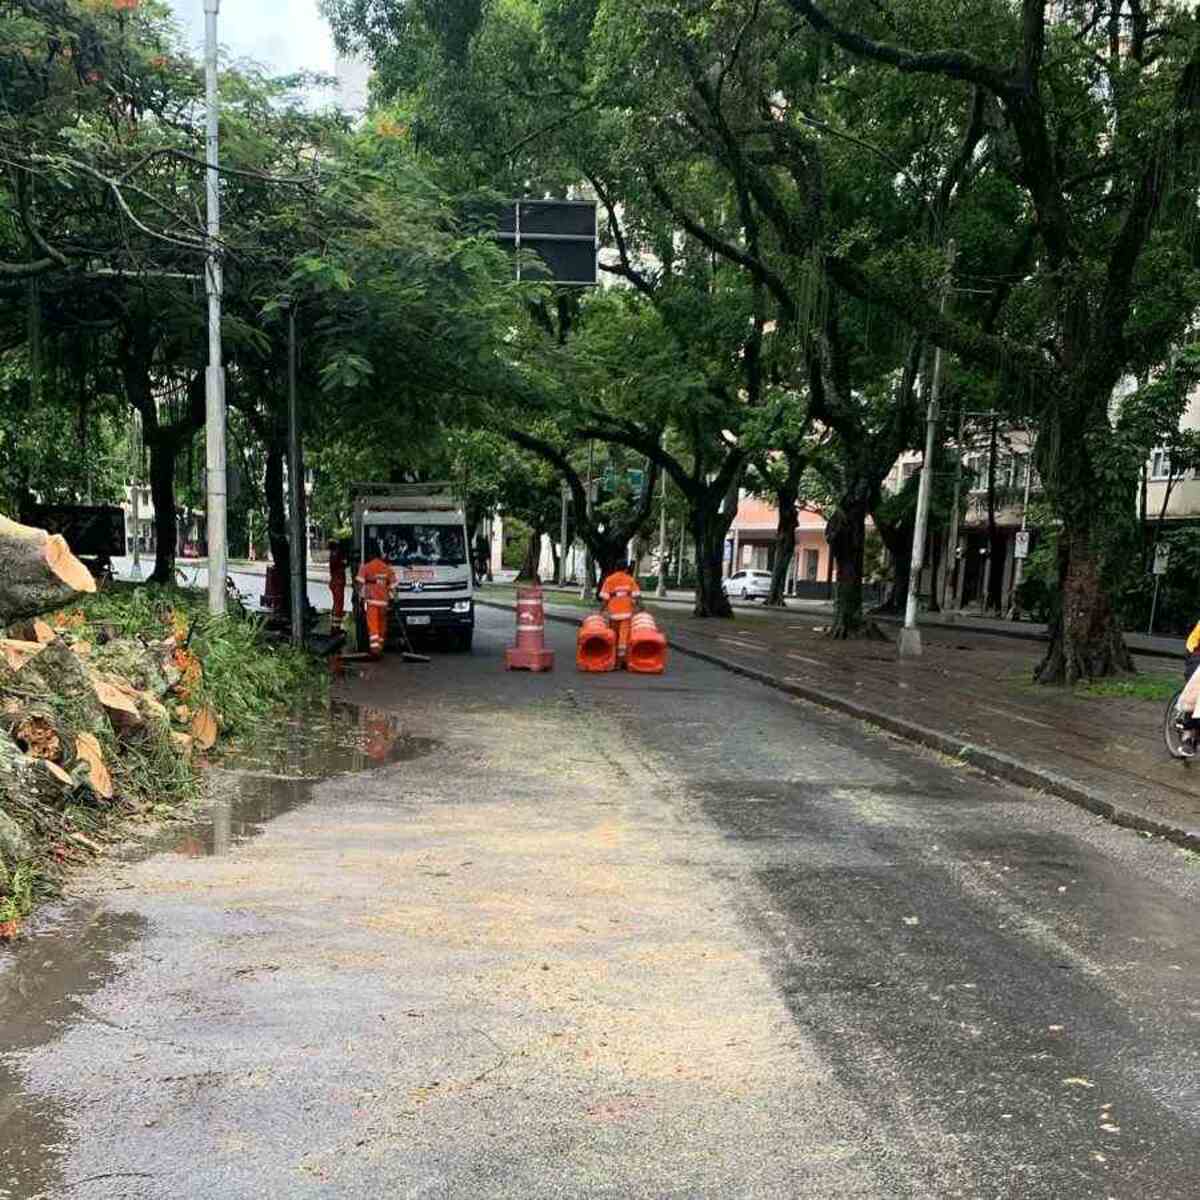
(296, 482)
(910, 634)
(214, 377)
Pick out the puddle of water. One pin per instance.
(73, 950)
(44, 986)
(274, 772)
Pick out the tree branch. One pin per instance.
(952, 64)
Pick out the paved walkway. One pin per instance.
(972, 691)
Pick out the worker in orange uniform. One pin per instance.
(620, 593)
(337, 581)
(375, 581)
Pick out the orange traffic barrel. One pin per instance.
(596, 645)
(530, 652)
(647, 646)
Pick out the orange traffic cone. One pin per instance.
(596, 645)
(647, 646)
(530, 653)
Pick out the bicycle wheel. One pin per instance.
(1173, 720)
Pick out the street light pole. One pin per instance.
(135, 461)
(910, 635)
(562, 539)
(296, 488)
(214, 377)
(663, 553)
(585, 591)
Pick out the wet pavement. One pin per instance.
(476, 934)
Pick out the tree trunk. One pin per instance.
(533, 556)
(785, 547)
(898, 539)
(162, 491)
(1085, 640)
(37, 572)
(277, 530)
(709, 528)
(846, 533)
(935, 566)
(997, 557)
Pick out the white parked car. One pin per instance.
(749, 585)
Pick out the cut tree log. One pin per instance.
(183, 744)
(120, 704)
(49, 782)
(204, 728)
(39, 734)
(43, 632)
(18, 653)
(63, 674)
(87, 746)
(38, 572)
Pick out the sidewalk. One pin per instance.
(971, 699)
(317, 572)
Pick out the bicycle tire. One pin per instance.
(1173, 728)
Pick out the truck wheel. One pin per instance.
(463, 639)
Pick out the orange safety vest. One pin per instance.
(1193, 642)
(376, 578)
(620, 592)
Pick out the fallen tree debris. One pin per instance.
(37, 572)
(106, 707)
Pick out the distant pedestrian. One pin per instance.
(621, 593)
(337, 580)
(375, 580)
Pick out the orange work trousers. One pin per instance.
(377, 623)
(621, 626)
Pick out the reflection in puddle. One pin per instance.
(275, 772)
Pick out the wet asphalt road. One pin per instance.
(574, 936)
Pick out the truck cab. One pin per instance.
(420, 530)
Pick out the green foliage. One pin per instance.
(1154, 687)
(244, 679)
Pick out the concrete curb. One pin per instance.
(992, 762)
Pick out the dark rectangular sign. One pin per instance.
(562, 233)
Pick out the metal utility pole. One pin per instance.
(585, 591)
(296, 488)
(135, 462)
(910, 635)
(663, 552)
(214, 378)
(562, 541)
(1022, 537)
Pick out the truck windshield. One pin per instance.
(417, 545)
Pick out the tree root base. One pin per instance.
(867, 631)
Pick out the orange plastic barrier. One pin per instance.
(647, 646)
(596, 645)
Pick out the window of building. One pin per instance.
(1020, 470)
(812, 564)
(1160, 464)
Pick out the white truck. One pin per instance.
(420, 529)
